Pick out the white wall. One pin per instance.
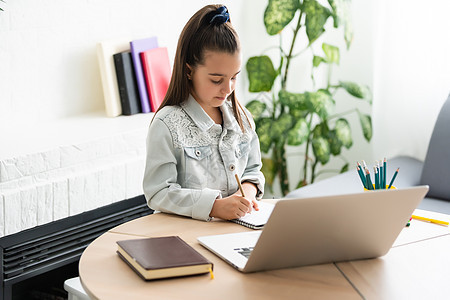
(411, 74)
(48, 62)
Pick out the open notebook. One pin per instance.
(258, 218)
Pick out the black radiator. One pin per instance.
(48, 247)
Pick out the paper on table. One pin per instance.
(258, 218)
(420, 230)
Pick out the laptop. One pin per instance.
(319, 230)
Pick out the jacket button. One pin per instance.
(232, 167)
(198, 152)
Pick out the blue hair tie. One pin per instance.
(221, 16)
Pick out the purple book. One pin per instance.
(138, 46)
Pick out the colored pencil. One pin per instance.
(430, 220)
(361, 174)
(368, 180)
(393, 178)
(377, 178)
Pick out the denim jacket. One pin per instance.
(191, 161)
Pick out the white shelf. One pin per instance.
(27, 139)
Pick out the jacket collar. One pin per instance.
(203, 121)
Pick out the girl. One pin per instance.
(200, 136)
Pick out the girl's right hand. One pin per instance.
(231, 207)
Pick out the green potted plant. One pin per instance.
(305, 119)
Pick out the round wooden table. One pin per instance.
(105, 276)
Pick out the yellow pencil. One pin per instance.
(239, 184)
(430, 220)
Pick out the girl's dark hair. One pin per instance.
(200, 35)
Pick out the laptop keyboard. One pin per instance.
(244, 251)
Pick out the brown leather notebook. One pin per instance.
(162, 257)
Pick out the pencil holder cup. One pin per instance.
(392, 188)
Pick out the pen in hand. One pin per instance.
(253, 202)
(239, 184)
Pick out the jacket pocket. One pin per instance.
(198, 153)
(197, 166)
(242, 149)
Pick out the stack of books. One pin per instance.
(135, 75)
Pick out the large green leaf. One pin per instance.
(342, 16)
(298, 114)
(320, 102)
(344, 132)
(366, 124)
(340, 136)
(299, 133)
(269, 170)
(321, 149)
(261, 73)
(256, 108)
(317, 60)
(335, 143)
(316, 17)
(332, 53)
(320, 142)
(278, 14)
(321, 130)
(281, 126)
(357, 90)
(332, 146)
(263, 130)
(344, 168)
(294, 101)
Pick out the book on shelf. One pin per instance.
(137, 46)
(157, 73)
(126, 81)
(258, 218)
(162, 257)
(105, 52)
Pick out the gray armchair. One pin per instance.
(434, 171)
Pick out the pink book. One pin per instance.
(138, 46)
(156, 65)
